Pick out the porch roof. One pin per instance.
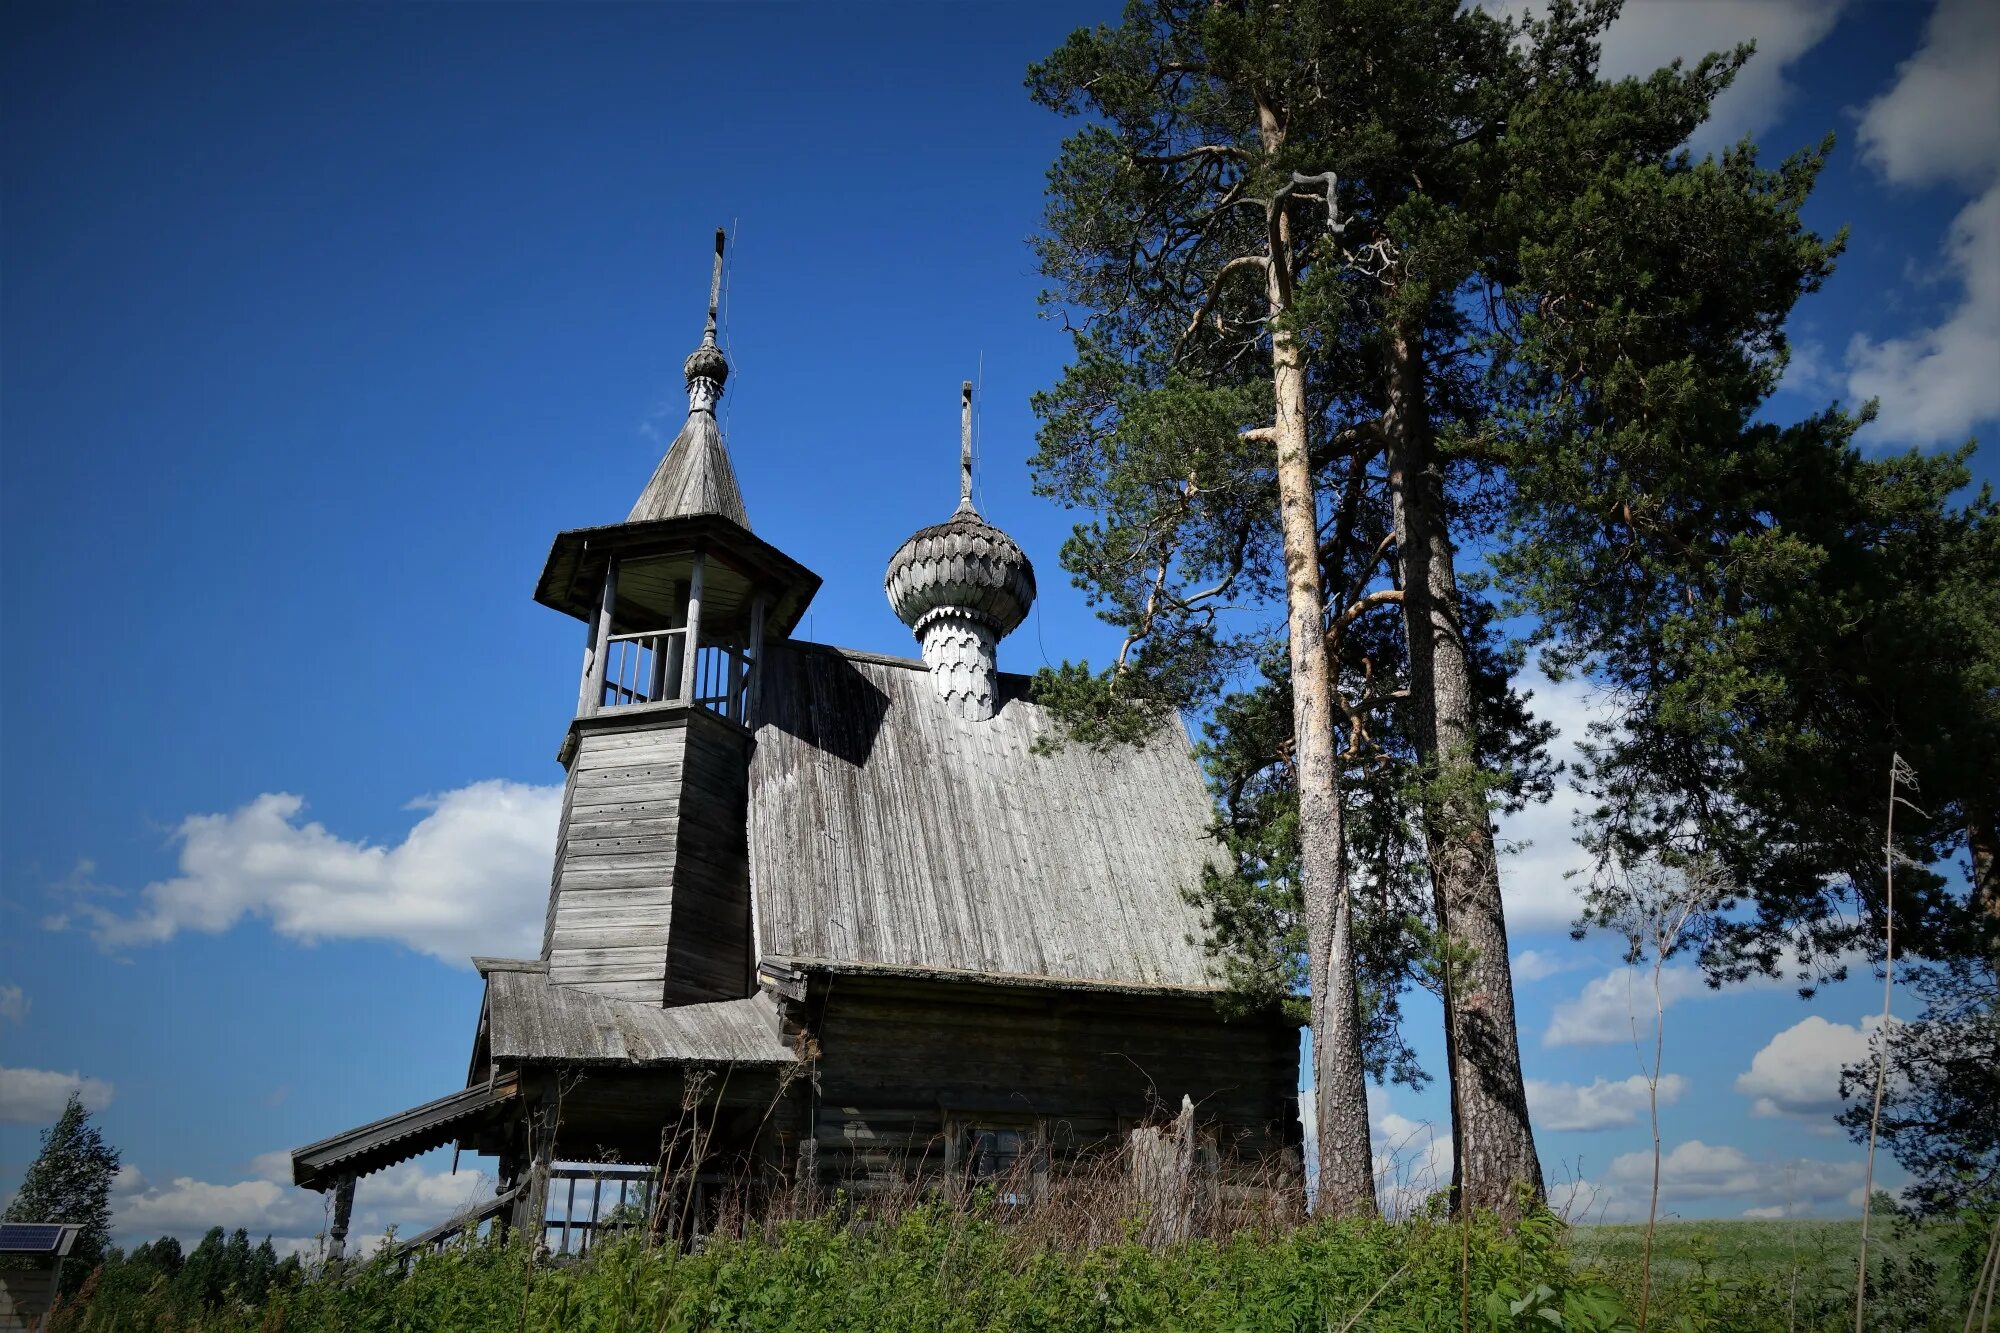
(392, 1139)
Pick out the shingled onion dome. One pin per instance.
(962, 586)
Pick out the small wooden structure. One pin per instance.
(821, 917)
(31, 1260)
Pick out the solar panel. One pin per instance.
(30, 1237)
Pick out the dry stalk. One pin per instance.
(1900, 774)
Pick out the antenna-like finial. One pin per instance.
(706, 368)
(714, 292)
(965, 446)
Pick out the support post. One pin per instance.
(756, 661)
(343, 1212)
(591, 650)
(676, 647)
(690, 686)
(532, 1212)
(595, 690)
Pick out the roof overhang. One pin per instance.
(897, 971)
(572, 580)
(392, 1139)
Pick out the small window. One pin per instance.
(992, 1152)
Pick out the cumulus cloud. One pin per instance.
(1939, 124)
(1797, 1073)
(1600, 1104)
(13, 1004)
(1647, 36)
(1608, 1007)
(1697, 1170)
(1540, 965)
(1411, 1158)
(407, 1197)
(1940, 120)
(1542, 869)
(470, 877)
(37, 1096)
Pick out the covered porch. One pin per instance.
(600, 1112)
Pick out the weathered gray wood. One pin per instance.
(756, 658)
(397, 1138)
(1168, 1181)
(533, 1020)
(343, 1211)
(602, 659)
(692, 639)
(25, 1294)
(885, 830)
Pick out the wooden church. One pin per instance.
(832, 917)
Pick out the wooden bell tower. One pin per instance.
(650, 898)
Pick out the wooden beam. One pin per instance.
(343, 1211)
(594, 692)
(689, 686)
(756, 660)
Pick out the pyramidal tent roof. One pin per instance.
(695, 476)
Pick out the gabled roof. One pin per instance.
(527, 1019)
(887, 833)
(695, 477)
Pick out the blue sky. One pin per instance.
(318, 323)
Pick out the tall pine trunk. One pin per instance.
(1345, 1166)
(1493, 1146)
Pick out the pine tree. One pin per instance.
(70, 1181)
(1526, 319)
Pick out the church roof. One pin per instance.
(695, 476)
(887, 834)
(529, 1019)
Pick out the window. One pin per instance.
(1004, 1152)
(992, 1152)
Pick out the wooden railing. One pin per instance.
(646, 668)
(404, 1252)
(629, 1206)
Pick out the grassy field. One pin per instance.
(1801, 1269)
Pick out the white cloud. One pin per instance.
(406, 1197)
(1600, 1104)
(1768, 1212)
(1540, 965)
(37, 1096)
(1650, 33)
(1618, 1006)
(1939, 123)
(1607, 1009)
(1797, 1073)
(470, 877)
(1411, 1158)
(1542, 869)
(1936, 385)
(1697, 1170)
(13, 1004)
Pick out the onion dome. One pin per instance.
(965, 564)
(707, 362)
(961, 586)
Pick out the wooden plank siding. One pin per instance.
(899, 1061)
(612, 889)
(650, 896)
(708, 954)
(25, 1297)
